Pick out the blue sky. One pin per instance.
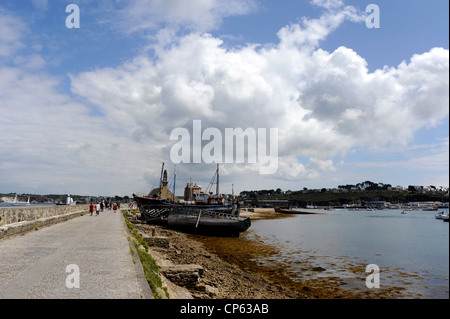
(90, 110)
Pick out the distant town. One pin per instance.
(360, 187)
(60, 199)
(362, 194)
(348, 194)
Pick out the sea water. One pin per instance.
(411, 249)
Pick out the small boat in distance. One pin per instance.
(441, 215)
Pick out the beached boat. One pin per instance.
(152, 209)
(208, 220)
(211, 216)
(208, 223)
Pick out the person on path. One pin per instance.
(91, 208)
(98, 208)
(115, 207)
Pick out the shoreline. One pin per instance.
(231, 269)
(262, 213)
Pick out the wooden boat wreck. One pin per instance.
(207, 222)
(216, 217)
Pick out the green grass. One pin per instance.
(149, 265)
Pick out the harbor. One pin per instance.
(312, 252)
(236, 156)
(318, 255)
(410, 249)
(289, 254)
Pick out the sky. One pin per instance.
(89, 110)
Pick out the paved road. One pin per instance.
(35, 265)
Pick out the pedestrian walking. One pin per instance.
(97, 208)
(115, 207)
(91, 208)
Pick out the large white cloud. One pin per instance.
(323, 103)
(48, 141)
(11, 34)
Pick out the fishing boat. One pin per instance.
(205, 215)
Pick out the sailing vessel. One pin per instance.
(15, 201)
(198, 213)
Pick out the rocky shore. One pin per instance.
(217, 278)
(200, 267)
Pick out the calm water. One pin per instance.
(411, 250)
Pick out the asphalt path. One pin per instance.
(88, 257)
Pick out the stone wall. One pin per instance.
(11, 215)
(26, 226)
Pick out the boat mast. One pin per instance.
(190, 189)
(161, 180)
(174, 180)
(217, 184)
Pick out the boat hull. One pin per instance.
(220, 220)
(441, 215)
(155, 207)
(208, 225)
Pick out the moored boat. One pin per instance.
(441, 215)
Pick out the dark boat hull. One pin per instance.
(209, 224)
(217, 220)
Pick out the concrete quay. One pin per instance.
(87, 257)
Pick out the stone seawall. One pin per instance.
(16, 220)
(10, 215)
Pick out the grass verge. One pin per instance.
(149, 265)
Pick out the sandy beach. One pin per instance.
(261, 213)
